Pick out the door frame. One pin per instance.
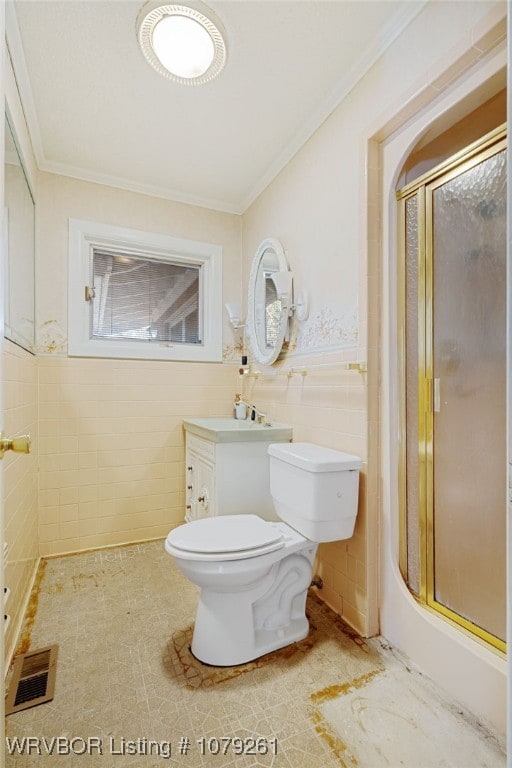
(2, 179)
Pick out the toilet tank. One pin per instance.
(315, 489)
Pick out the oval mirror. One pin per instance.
(269, 301)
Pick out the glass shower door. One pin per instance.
(466, 365)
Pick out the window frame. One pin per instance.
(84, 236)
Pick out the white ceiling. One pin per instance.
(97, 111)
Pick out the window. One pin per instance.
(140, 295)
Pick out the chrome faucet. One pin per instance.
(255, 415)
(258, 416)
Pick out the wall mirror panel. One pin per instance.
(18, 247)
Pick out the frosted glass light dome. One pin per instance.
(181, 42)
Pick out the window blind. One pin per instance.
(143, 299)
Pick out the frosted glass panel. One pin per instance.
(469, 263)
(411, 346)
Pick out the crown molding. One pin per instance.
(131, 185)
(389, 34)
(17, 54)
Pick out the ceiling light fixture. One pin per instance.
(182, 42)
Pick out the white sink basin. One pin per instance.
(225, 430)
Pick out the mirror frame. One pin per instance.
(263, 355)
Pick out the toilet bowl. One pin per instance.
(254, 574)
(244, 610)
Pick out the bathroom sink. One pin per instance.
(226, 430)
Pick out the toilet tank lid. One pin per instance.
(314, 458)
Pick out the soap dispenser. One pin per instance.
(240, 408)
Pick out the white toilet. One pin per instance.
(254, 574)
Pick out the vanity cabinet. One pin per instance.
(227, 467)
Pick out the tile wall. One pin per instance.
(330, 233)
(111, 466)
(20, 485)
(107, 457)
(328, 406)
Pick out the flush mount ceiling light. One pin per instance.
(182, 42)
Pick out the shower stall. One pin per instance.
(452, 296)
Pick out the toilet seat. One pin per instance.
(230, 537)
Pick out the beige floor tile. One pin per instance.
(126, 679)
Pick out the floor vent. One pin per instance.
(33, 679)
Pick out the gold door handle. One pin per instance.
(19, 444)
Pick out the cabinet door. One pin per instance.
(189, 486)
(199, 486)
(203, 502)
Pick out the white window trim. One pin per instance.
(85, 235)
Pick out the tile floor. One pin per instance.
(129, 692)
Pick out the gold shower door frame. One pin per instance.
(423, 189)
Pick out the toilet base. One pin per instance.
(264, 643)
(237, 627)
